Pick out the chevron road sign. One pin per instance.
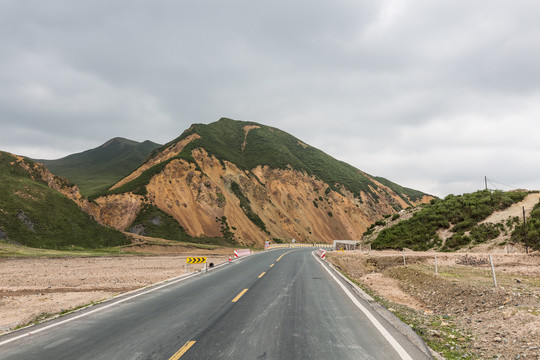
(195, 260)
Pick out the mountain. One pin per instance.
(247, 182)
(95, 169)
(37, 210)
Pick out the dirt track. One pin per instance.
(37, 288)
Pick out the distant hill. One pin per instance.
(34, 212)
(248, 182)
(461, 221)
(98, 168)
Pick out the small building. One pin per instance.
(345, 244)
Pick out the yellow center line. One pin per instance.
(182, 350)
(279, 258)
(260, 276)
(272, 265)
(239, 295)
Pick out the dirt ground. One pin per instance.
(36, 288)
(458, 311)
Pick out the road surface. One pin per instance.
(281, 304)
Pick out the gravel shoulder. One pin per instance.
(33, 289)
(458, 311)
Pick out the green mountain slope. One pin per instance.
(226, 139)
(98, 168)
(33, 214)
(460, 214)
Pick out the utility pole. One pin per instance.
(525, 232)
(485, 181)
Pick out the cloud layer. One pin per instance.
(432, 95)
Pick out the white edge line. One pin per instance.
(399, 349)
(153, 288)
(167, 283)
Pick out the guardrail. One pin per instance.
(281, 246)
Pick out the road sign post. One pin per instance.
(196, 260)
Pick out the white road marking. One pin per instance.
(96, 310)
(399, 349)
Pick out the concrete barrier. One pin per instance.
(241, 252)
(321, 253)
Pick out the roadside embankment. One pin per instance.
(458, 311)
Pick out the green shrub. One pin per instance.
(246, 207)
(456, 241)
(484, 232)
(462, 211)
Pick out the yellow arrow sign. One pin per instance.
(195, 260)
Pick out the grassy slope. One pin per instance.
(35, 215)
(98, 168)
(159, 224)
(267, 146)
(462, 213)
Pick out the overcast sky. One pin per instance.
(433, 95)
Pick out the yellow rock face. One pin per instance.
(291, 204)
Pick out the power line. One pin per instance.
(494, 182)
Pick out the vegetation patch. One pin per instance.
(225, 229)
(463, 212)
(246, 207)
(529, 234)
(37, 216)
(153, 222)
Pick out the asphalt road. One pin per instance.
(281, 304)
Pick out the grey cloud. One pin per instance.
(403, 89)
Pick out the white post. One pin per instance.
(404, 261)
(205, 267)
(493, 271)
(436, 266)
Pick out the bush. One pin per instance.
(532, 239)
(462, 211)
(484, 232)
(456, 241)
(246, 207)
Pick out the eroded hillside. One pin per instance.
(223, 180)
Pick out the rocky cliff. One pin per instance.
(249, 182)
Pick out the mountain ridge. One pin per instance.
(236, 179)
(97, 168)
